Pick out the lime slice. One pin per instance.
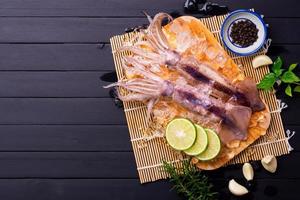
(213, 147)
(200, 144)
(181, 134)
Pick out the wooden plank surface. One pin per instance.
(85, 57)
(61, 137)
(44, 84)
(56, 138)
(64, 138)
(82, 111)
(78, 189)
(112, 165)
(97, 30)
(60, 111)
(55, 57)
(113, 8)
(94, 189)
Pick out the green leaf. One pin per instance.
(297, 88)
(293, 66)
(277, 63)
(267, 82)
(288, 91)
(276, 67)
(289, 77)
(278, 72)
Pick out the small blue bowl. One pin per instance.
(236, 16)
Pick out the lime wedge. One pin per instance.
(181, 133)
(213, 147)
(200, 144)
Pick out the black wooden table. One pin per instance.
(61, 137)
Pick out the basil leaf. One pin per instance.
(267, 82)
(293, 66)
(276, 67)
(289, 77)
(288, 91)
(297, 88)
(278, 72)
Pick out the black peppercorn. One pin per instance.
(244, 33)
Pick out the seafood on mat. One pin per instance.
(180, 70)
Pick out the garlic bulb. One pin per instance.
(248, 171)
(269, 162)
(236, 188)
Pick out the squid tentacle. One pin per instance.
(140, 52)
(156, 29)
(151, 103)
(134, 97)
(141, 69)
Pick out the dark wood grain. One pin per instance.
(55, 57)
(52, 84)
(78, 189)
(266, 189)
(57, 138)
(63, 30)
(60, 111)
(93, 189)
(71, 84)
(289, 53)
(86, 8)
(62, 138)
(86, 57)
(82, 111)
(284, 170)
(112, 165)
(96, 30)
(290, 114)
(67, 164)
(99, 8)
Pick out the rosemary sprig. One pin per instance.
(190, 182)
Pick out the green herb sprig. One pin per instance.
(190, 182)
(279, 75)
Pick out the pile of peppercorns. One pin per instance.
(244, 33)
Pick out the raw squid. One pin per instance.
(243, 92)
(200, 88)
(234, 119)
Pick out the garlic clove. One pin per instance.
(269, 162)
(248, 171)
(237, 189)
(261, 60)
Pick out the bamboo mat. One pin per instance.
(149, 153)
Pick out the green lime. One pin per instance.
(200, 144)
(181, 133)
(213, 147)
